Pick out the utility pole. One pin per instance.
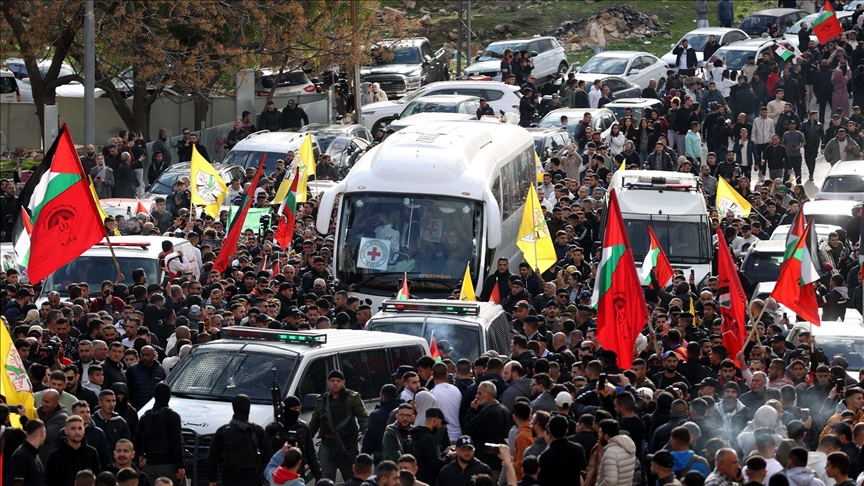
(468, 28)
(358, 113)
(90, 75)
(459, 43)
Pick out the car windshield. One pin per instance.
(822, 231)
(431, 238)
(401, 55)
(252, 158)
(538, 145)
(496, 51)
(95, 269)
(760, 266)
(325, 138)
(164, 185)
(553, 120)
(690, 244)
(735, 58)
(697, 41)
(422, 106)
(837, 219)
(605, 65)
(757, 22)
(843, 183)
(852, 348)
(214, 372)
(463, 338)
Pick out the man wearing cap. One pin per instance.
(425, 446)
(841, 148)
(339, 411)
(661, 467)
(293, 116)
(669, 375)
(465, 468)
(731, 411)
(517, 294)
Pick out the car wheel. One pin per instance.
(562, 68)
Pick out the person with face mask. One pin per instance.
(238, 447)
(294, 431)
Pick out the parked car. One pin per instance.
(636, 67)
(831, 211)
(549, 140)
(344, 152)
(756, 23)
(407, 65)
(822, 231)
(638, 107)
(290, 83)
(275, 145)
(546, 53)
(601, 118)
(736, 53)
(9, 92)
(851, 6)
(844, 181)
(327, 133)
(73, 89)
(442, 104)
(164, 185)
(117, 206)
(501, 97)
(698, 38)
(621, 88)
(845, 18)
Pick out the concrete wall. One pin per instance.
(20, 125)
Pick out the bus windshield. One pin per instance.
(431, 238)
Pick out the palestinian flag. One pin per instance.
(22, 241)
(732, 299)
(784, 53)
(66, 221)
(621, 309)
(794, 287)
(656, 260)
(285, 230)
(433, 349)
(403, 292)
(229, 244)
(495, 296)
(826, 26)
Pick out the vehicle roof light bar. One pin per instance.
(275, 335)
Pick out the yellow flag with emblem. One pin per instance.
(14, 382)
(467, 292)
(533, 238)
(728, 199)
(306, 158)
(208, 189)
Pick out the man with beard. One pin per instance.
(466, 466)
(124, 452)
(670, 374)
(731, 411)
(72, 455)
(294, 431)
(756, 397)
(424, 445)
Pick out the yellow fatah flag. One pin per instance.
(623, 165)
(539, 166)
(728, 200)
(208, 189)
(14, 383)
(467, 292)
(534, 239)
(307, 167)
(102, 213)
(692, 309)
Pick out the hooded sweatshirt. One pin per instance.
(803, 476)
(766, 416)
(278, 475)
(123, 408)
(816, 461)
(682, 459)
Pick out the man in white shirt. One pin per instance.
(595, 94)
(776, 106)
(763, 128)
(766, 446)
(449, 400)
(385, 231)
(547, 186)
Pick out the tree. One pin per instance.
(44, 30)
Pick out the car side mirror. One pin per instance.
(25, 80)
(476, 58)
(634, 72)
(533, 53)
(671, 46)
(307, 404)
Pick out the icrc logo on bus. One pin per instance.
(374, 254)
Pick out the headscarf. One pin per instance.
(424, 401)
(765, 417)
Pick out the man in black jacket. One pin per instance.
(237, 447)
(462, 471)
(502, 277)
(291, 429)
(159, 439)
(72, 455)
(114, 426)
(293, 116)
(563, 461)
(813, 136)
(112, 367)
(487, 421)
(25, 462)
(430, 460)
(685, 58)
(372, 438)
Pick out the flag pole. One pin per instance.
(111, 249)
(656, 343)
(753, 329)
(534, 229)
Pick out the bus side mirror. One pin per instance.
(325, 207)
(307, 404)
(493, 218)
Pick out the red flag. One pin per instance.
(263, 264)
(229, 244)
(621, 309)
(66, 221)
(495, 296)
(141, 208)
(732, 299)
(403, 292)
(826, 26)
(433, 350)
(274, 270)
(794, 287)
(285, 230)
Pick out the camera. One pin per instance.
(840, 383)
(264, 220)
(51, 347)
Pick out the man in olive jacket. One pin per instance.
(339, 418)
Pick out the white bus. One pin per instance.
(428, 201)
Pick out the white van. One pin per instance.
(249, 151)
(674, 206)
(471, 328)
(250, 359)
(9, 92)
(97, 264)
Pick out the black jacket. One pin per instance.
(278, 433)
(115, 428)
(217, 447)
(775, 157)
(25, 463)
(113, 373)
(691, 62)
(813, 135)
(295, 118)
(454, 475)
(503, 280)
(96, 439)
(424, 447)
(372, 438)
(64, 462)
(173, 426)
(489, 424)
(125, 181)
(268, 120)
(562, 463)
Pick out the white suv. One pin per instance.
(9, 92)
(546, 53)
(501, 97)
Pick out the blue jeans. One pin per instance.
(702, 23)
(597, 50)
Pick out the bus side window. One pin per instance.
(315, 378)
(404, 355)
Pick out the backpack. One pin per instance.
(680, 474)
(154, 433)
(240, 451)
